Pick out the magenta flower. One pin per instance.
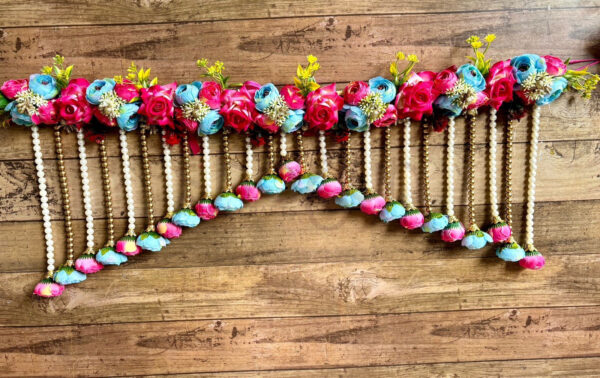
(87, 264)
(290, 170)
(372, 204)
(500, 232)
(12, 88)
(412, 219)
(206, 210)
(127, 246)
(47, 288)
(248, 191)
(329, 188)
(167, 229)
(533, 260)
(454, 231)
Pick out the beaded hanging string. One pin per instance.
(227, 200)
(413, 218)
(350, 196)
(373, 203)
(247, 189)
(475, 238)
(166, 227)
(533, 259)
(126, 245)
(329, 187)
(205, 208)
(308, 182)
(393, 209)
(270, 183)
(46, 287)
(433, 221)
(455, 230)
(289, 169)
(186, 217)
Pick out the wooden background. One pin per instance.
(293, 286)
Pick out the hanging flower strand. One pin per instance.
(350, 196)
(247, 189)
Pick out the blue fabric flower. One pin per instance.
(211, 123)
(265, 96)
(186, 218)
(392, 211)
(471, 75)
(447, 105)
(128, 118)
(18, 118)
(527, 64)
(197, 84)
(43, 85)
(355, 119)
(67, 275)
(108, 256)
(349, 198)
(94, 92)
(510, 252)
(558, 86)
(150, 241)
(307, 183)
(228, 202)
(386, 88)
(294, 121)
(434, 222)
(476, 239)
(186, 93)
(271, 184)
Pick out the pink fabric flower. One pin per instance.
(167, 229)
(329, 188)
(500, 84)
(266, 123)
(11, 88)
(48, 289)
(533, 260)
(412, 219)
(87, 264)
(444, 80)
(211, 93)
(554, 66)
(500, 232)
(111, 122)
(389, 117)
(127, 246)
(250, 87)
(206, 210)
(292, 96)
(73, 107)
(482, 99)
(247, 191)
(454, 231)
(127, 91)
(415, 97)
(157, 104)
(47, 114)
(355, 92)
(290, 170)
(322, 107)
(187, 124)
(238, 109)
(372, 204)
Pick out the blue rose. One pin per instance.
(355, 119)
(307, 183)
(392, 211)
(128, 118)
(476, 239)
(43, 85)
(67, 275)
(271, 184)
(186, 218)
(447, 105)
(265, 96)
(186, 93)
(211, 123)
(349, 198)
(18, 118)
(294, 121)
(559, 84)
(510, 252)
(108, 256)
(527, 64)
(471, 75)
(149, 241)
(386, 88)
(94, 92)
(434, 222)
(228, 202)
(197, 84)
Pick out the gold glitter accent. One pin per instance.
(110, 104)
(462, 94)
(28, 102)
(372, 106)
(537, 85)
(278, 111)
(195, 110)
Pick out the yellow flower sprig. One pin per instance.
(141, 77)
(479, 61)
(305, 77)
(401, 76)
(215, 72)
(58, 71)
(582, 81)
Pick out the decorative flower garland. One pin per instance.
(260, 114)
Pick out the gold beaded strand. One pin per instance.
(228, 185)
(147, 177)
(271, 148)
(470, 119)
(187, 179)
(387, 187)
(66, 201)
(300, 141)
(510, 132)
(110, 240)
(426, 185)
(347, 181)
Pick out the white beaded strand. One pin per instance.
(492, 167)
(450, 169)
(533, 152)
(127, 181)
(206, 160)
(168, 174)
(368, 173)
(323, 151)
(283, 145)
(85, 189)
(249, 155)
(39, 167)
(407, 179)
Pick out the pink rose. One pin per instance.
(238, 110)
(127, 91)
(157, 104)
(293, 98)
(372, 204)
(322, 107)
(127, 246)
(415, 100)
(72, 104)
(389, 117)
(48, 288)
(87, 264)
(168, 230)
(500, 84)
(533, 260)
(290, 170)
(355, 92)
(11, 88)
(453, 232)
(250, 87)
(412, 219)
(247, 191)
(329, 188)
(427, 75)
(482, 99)
(206, 210)
(500, 232)
(266, 123)
(188, 125)
(111, 122)
(445, 80)
(554, 66)
(211, 93)
(47, 114)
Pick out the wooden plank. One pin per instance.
(299, 343)
(258, 50)
(313, 237)
(558, 367)
(567, 171)
(309, 289)
(27, 13)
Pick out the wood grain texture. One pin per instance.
(275, 343)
